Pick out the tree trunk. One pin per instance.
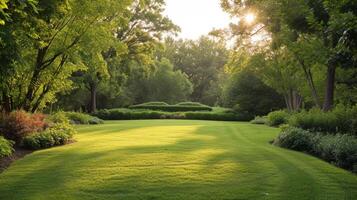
(93, 98)
(330, 87)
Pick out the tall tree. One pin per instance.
(202, 60)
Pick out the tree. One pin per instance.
(331, 23)
(164, 83)
(202, 60)
(249, 95)
(47, 54)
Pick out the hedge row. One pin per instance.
(172, 108)
(127, 114)
(339, 149)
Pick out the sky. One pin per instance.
(196, 17)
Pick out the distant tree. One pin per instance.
(203, 61)
(249, 95)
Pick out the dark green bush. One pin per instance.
(127, 114)
(57, 135)
(338, 149)
(5, 147)
(172, 108)
(277, 118)
(340, 120)
(82, 118)
(296, 139)
(214, 116)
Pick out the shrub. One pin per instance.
(277, 118)
(60, 134)
(346, 152)
(155, 103)
(82, 118)
(20, 124)
(127, 114)
(190, 104)
(339, 149)
(58, 118)
(5, 147)
(172, 108)
(259, 120)
(296, 139)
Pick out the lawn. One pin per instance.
(175, 159)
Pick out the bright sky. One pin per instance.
(196, 17)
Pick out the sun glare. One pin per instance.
(249, 18)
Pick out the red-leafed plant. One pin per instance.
(20, 124)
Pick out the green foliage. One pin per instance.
(203, 61)
(191, 104)
(249, 95)
(132, 114)
(259, 120)
(155, 103)
(296, 139)
(340, 149)
(58, 118)
(5, 147)
(340, 120)
(82, 118)
(55, 136)
(278, 118)
(173, 108)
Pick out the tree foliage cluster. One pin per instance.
(306, 49)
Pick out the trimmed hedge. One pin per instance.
(172, 108)
(188, 103)
(155, 103)
(127, 114)
(5, 147)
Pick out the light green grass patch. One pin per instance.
(174, 159)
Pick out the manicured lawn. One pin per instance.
(175, 159)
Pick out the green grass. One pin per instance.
(175, 159)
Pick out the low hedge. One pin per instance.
(188, 103)
(338, 149)
(57, 135)
(172, 108)
(128, 114)
(155, 103)
(5, 147)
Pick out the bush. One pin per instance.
(57, 135)
(155, 103)
(82, 118)
(20, 124)
(296, 139)
(277, 118)
(259, 120)
(127, 114)
(340, 120)
(172, 108)
(339, 149)
(58, 118)
(190, 104)
(5, 147)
